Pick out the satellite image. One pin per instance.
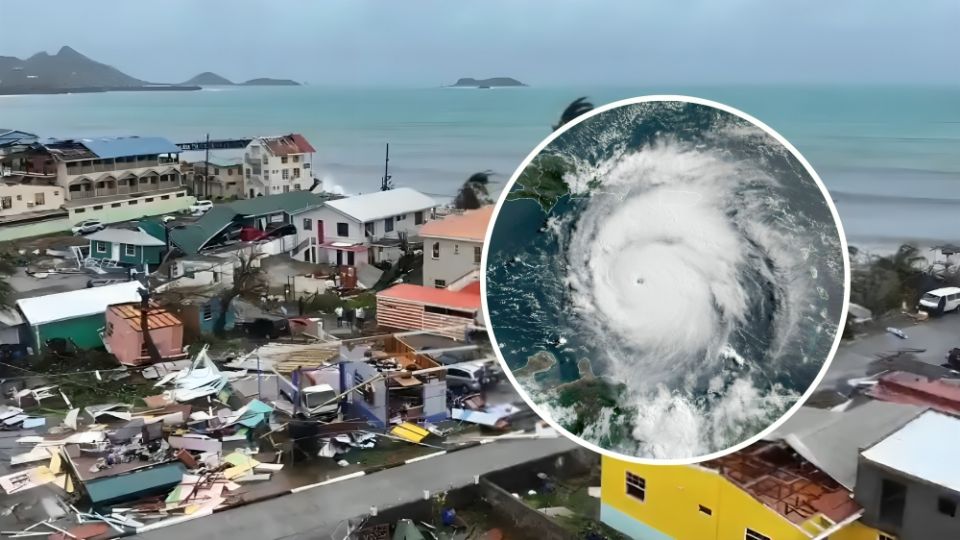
(665, 280)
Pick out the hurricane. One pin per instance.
(683, 289)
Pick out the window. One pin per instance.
(453, 372)
(229, 172)
(436, 250)
(116, 205)
(180, 194)
(39, 199)
(370, 229)
(56, 193)
(477, 253)
(343, 229)
(98, 207)
(207, 312)
(286, 189)
(216, 276)
(306, 165)
(751, 534)
(893, 499)
(705, 510)
(636, 486)
(286, 174)
(307, 224)
(296, 159)
(130, 250)
(133, 202)
(456, 249)
(101, 247)
(247, 173)
(79, 210)
(148, 199)
(440, 283)
(388, 224)
(19, 197)
(947, 506)
(164, 197)
(296, 172)
(296, 187)
(216, 171)
(283, 159)
(418, 218)
(6, 202)
(401, 217)
(451, 312)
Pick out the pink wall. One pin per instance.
(127, 343)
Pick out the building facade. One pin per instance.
(18, 199)
(452, 246)
(220, 178)
(363, 228)
(279, 164)
(123, 334)
(126, 247)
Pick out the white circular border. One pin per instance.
(843, 312)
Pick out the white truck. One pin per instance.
(311, 393)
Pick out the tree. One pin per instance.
(145, 303)
(247, 281)
(578, 107)
(883, 283)
(474, 192)
(7, 268)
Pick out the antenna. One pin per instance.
(385, 183)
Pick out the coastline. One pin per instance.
(94, 90)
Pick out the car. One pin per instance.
(939, 301)
(471, 376)
(201, 207)
(88, 226)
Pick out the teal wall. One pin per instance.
(83, 331)
(628, 525)
(151, 254)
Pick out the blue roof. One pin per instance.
(114, 147)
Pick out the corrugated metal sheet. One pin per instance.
(72, 304)
(431, 296)
(136, 484)
(114, 147)
(157, 317)
(381, 204)
(283, 145)
(470, 226)
(924, 448)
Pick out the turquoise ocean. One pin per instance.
(889, 155)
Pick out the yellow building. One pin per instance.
(765, 492)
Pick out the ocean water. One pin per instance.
(889, 155)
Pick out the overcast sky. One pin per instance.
(543, 42)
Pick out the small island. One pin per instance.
(208, 78)
(540, 362)
(493, 82)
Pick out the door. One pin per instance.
(339, 257)
(418, 218)
(350, 258)
(115, 251)
(319, 231)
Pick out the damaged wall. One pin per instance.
(435, 400)
(373, 405)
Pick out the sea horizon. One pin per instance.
(887, 152)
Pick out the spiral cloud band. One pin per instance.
(687, 282)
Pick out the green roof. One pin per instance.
(192, 238)
(134, 484)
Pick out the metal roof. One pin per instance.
(924, 449)
(80, 303)
(832, 440)
(114, 147)
(431, 296)
(470, 225)
(381, 204)
(157, 317)
(126, 236)
(283, 145)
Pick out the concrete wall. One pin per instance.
(36, 228)
(524, 518)
(361, 371)
(131, 208)
(455, 258)
(23, 198)
(921, 517)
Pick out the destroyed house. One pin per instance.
(392, 383)
(124, 338)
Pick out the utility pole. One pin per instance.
(385, 184)
(206, 169)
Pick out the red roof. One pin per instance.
(293, 143)
(432, 296)
(472, 288)
(470, 225)
(910, 389)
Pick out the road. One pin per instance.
(320, 512)
(937, 336)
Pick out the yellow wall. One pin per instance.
(673, 497)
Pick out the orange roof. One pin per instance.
(157, 317)
(432, 296)
(472, 288)
(470, 225)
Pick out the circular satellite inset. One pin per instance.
(665, 279)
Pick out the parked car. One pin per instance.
(88, 226)
(493, 374)
(939, 301)
(470, 376)
(201, 207)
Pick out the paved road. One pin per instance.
(937, 336)
(317, 513)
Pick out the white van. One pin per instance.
(940, 301)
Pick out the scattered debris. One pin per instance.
(897, 332)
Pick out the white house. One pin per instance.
(363, 228)
(279, 164)
(452, 247)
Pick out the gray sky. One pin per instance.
(543, 42)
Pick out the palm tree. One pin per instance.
(474, 193)
(580, 106)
